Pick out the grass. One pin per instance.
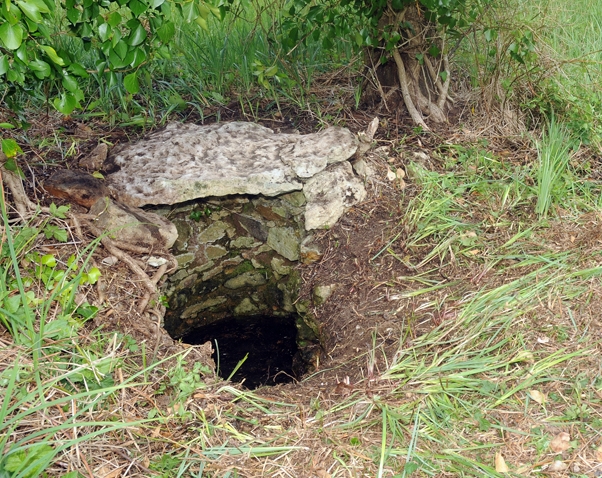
(574, 41)
(510, 362)
(553, 153)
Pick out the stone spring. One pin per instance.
(243, 201)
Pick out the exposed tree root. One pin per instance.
(22, 204)
(425, 93)
(115, 248)
(405, 92)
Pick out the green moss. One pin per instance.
(243, 267)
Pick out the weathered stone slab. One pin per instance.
(329, 194)
(187, 161)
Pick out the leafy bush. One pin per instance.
(127, 34)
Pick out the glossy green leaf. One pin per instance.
(86, 31)
(201, 22)
(117, 36)
(30, 10)
(203, 10)
(111, 78)
(22, 53)
(114, 19)
(189, 12)
(166, 32)
(115, 60)
(271, 71)
(65, 104)
(139, 57)
(32, 27)
(15, 74)
(52, 55)
(137, 36)
(78, 70)
(129, 57)
(137, 7)
(3, 65)
(131, 83)
(93, 275)
(40, 68)
(11, 35)
(70, 83)
(10, 13)
(104, 32)
(48, 260)
(43, 30)
(73, 15)
(10, 148)
(85, 310)
(121, 49)
(434, 51)
(156, 3)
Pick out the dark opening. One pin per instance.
(271, 343)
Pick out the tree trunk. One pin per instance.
(415, 67)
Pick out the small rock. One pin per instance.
(156, 261)
(420, 155)
(246, 279)
(329, 194)
(254, 227)
(214, 232)
(360, 168)
(246, 307)
(322, 293)
(95, 160)
(295, 199)
(214, 252)
(109, 261)
(76, 186)
(279, 267)
(271, 214)
(212, 273)
(285, 242)
(310, 253)
(365, 137)
(243, 242)
(196, 308)
(557, 466)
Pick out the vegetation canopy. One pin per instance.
(124, 35)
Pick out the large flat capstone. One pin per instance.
(188, 161)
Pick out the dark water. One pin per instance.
(270, 343)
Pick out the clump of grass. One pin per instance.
(553, 154)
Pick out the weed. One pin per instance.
(553, 153)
